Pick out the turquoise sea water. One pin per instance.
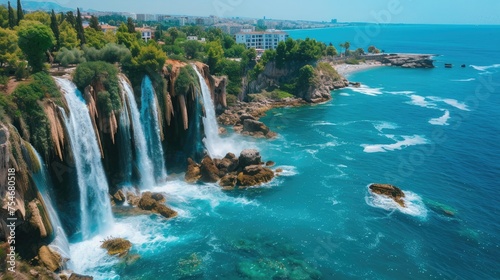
(434, 133)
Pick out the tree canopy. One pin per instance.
(34, 40)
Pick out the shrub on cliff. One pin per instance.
(103, 77)
(185, 80)
(66, 57)
(149, 61)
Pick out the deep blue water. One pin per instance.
(434, 133)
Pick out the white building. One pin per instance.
(268, 39)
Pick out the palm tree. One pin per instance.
(347, 45)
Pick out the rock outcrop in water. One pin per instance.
(116, 246)
(230, 172)
(390, 191)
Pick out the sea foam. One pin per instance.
(406, 142)
(413, 202)
(367, 90)
(443, 120)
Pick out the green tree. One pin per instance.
(305, 78)
(40, 16)
(4, 17)
(110, 36)
(373, 49)
(359, 52)
(94, 38)
(331, 51)
(12, 18)
(236, 51)
(20, 13)
(130, 25)
(192, 48)
(79, 27)
(70, 18)
(66, 57)
(346, 47)
(174, 33)
(34, 40)
(94, 23)
(55, 28)
(68, 37)
(281, 54)
(9, 49)
(215, 53)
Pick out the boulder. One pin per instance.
(49, 258)
(228, 182)
(253, 126)
(254, 175)
(133, 199)
(222, 130)
(270, 163)
(247, 117)
(193, 173)
(228, 164)
(165, 211)
(147, 202)
(209, 172)
(119, 197)
(249, 157)
(75, 276)
(117, 246)
(390, 191)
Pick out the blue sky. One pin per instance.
(392, 11)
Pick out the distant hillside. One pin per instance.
(35, 6)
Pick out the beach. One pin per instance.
(345, 69)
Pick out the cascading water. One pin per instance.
(144, 163)
(95, 207)
(149, 120)
(216, 146)
(125, 142)
(44, 186)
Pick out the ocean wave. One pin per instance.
(322, 123)
(403, 92)
(414, 204)
(452, 102)
(485, 68)
(443, 120)
(367, 90)
(464, 80)
(421, 101)
(288, 170)
(344, 94)
(406, 142)
(380, 126)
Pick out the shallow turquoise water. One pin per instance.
(426, 131)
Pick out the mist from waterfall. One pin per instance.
(95, 206)
(150, 122)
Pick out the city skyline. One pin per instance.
(380, 11)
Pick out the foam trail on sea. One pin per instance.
(363, 89)
(452, 102)
(413, 202)
(406, 142)
(464, 80)
(485, 68)
(421, 101)
(443, 120)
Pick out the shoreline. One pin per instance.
(346, 70)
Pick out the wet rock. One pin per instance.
(222, 131)
(119, 197)
(209, 172)
(270, 163)
(244, 117)
(228, 182)
(193, 173)
(254, 175)
(228, 164)
(279, 170)
(249, 157)
(75, 276)
(154, 202)
(253, 126)
(390, 191)
(165, 211)
(133, 199)
(117, 246)
(49, 258)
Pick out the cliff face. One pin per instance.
(325, 80)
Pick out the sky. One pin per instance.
(381, 11)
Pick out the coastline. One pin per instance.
(345, 69)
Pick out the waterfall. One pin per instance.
(143, 162)
(95, 206)
(42, 181)
(212, 140)
(125, 142)
(150, 122)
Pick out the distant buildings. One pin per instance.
(146, 33)
(268, 39)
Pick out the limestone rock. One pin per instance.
(133, 199)
(228, 182)
(253, 126)
(389, 190)
(209, 172)
(75, 276)
(49, 258)
(154, 202)
(249, 157)
(117, 246)
(193, 172)
(119, 197)
(254, 175)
